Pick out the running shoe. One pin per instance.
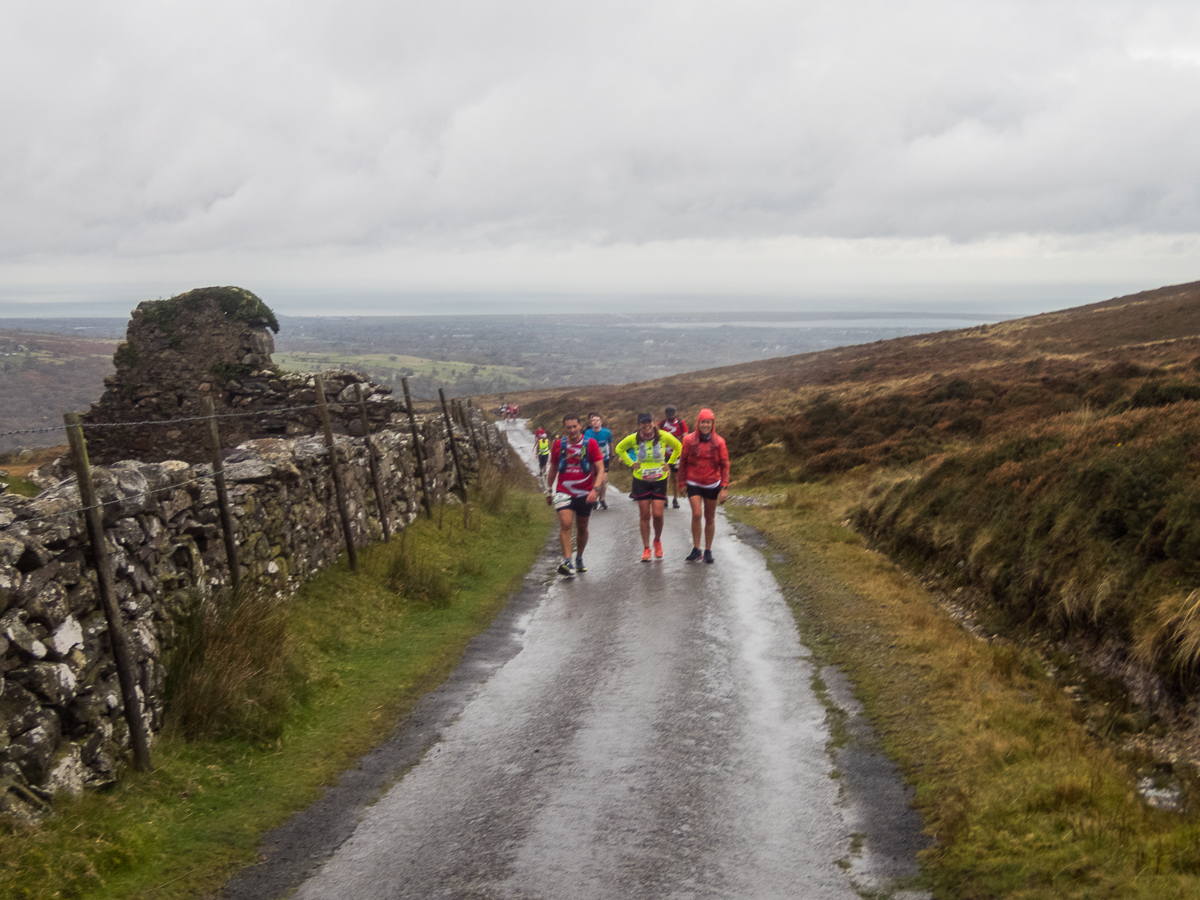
(675, 503)
(580, 568)
(646, 555)
(565, 568)
(603, 505)
(708, 557)
(695, 555)
(658, 549)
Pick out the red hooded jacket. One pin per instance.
(704, 463)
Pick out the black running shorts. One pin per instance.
(713, 493)
(581, 507)
(649, 490)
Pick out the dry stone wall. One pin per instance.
(213, 343)
(61, 717)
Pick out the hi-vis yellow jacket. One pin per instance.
(650, 459)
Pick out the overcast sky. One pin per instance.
(765, 148)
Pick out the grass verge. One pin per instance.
(1022, 802)
(368, 648)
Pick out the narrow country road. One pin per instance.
(651, 732)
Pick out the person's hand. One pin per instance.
(724, 495)
(549, 499)
(592, 495)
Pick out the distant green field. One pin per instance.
(395, 365)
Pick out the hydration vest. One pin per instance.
(584, 462)
(656, 448)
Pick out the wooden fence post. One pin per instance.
(418, 454)
(465, 409)
(122, 655)
(462, 484)
(374, 463)
(336, 472)
(214, 444)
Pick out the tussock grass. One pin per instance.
(1021, 800)
(366, 654)
(231, 673)
(1078, 524)
(491, 487)
(415, 578)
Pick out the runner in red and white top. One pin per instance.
(577, 473)
(677, 428)
(704, 468)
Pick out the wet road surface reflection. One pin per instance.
(655, 735)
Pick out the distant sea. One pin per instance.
(941, 305)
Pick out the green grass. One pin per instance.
(367, 654)
(389, 363)
(1021, 800)
(22, 486)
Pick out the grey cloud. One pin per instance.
(138, 128)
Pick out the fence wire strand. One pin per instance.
(229, 415)
(170, 487)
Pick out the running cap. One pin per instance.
(670, 410)
(643, 418)
(705, 413)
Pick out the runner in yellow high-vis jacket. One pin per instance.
(650, 453)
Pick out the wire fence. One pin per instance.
(126, 498)
(268, 412)
(274, 410)
(89, 504)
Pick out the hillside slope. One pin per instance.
(1052, 463)
(1158, 328)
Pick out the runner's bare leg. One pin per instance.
(658, 506)
(710, 522)
(696, 503)
(581, 534)
(644, 520)
(565, 518)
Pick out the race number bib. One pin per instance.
(651, 473)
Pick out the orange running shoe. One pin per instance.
(658, 549)
(646, 555)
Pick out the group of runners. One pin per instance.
(509, 411)
(662, 455)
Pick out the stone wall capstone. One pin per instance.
(213, 342)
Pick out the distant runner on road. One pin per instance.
(541, 446)
(677, 428)
(577, 467)
(704, 469)
(650, 452)
(602, 436)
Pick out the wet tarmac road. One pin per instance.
(651, 733)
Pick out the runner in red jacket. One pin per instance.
(704, 468)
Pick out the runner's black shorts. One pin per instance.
(579, 506)
(649, 490)
(542, 460)
(712, 493)
(607, 463)
(674, 466)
